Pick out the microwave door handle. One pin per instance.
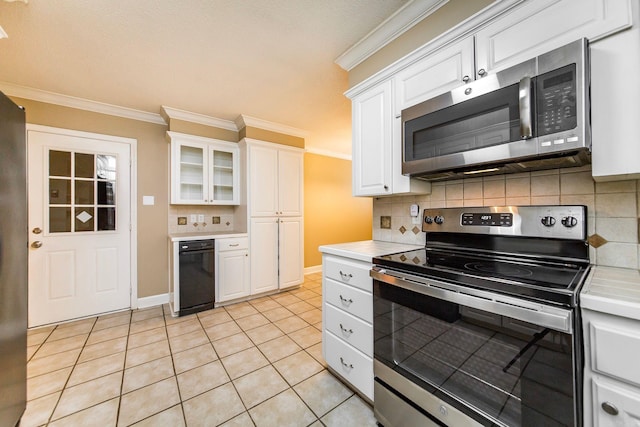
(524, 98)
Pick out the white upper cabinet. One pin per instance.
(276, 179)
(372, 134)
(536, 27)
(204, 171)
(436, 74)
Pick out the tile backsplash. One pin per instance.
(613, 208)
(225, 213)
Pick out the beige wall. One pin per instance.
(449, 15)
(331, 213)
(153, 180)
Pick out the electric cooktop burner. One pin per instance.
(499, 269)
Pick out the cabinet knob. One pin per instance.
(345, 276)
(345, 300)
(348, 331)
(609, 408)
(466, 79)
(346, 365)
(482, 72)
(386, 188)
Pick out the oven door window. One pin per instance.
(498, 370)
(487, 120)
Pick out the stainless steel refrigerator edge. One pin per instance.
(13, 262)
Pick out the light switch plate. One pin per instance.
(194, 218)
(201, 218)
(148, 200)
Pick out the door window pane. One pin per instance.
(59, 220)
(106, 193)
(106, 219)
(59, 163)
(84, 219)
(59, 191)
(106, 167)
(84, 192)
(84, 165)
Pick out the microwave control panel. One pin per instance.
(556, 100)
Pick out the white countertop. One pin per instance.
(203, 235)
(366, 250)
(613, 291)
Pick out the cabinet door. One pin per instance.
(542, 25)
(263, 176)
(189, 173)
(224, 175)
(263, 237)
(372, 141)
(233, 275)
(290, 183)
(291, 252)
(614, 406)
(434, 75)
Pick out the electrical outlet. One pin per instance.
(194, 218)
(182, 220)
(215, 220)
(201, 218)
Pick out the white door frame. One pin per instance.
(133, 235)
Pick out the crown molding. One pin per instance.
(79, 103)
(389, 30)
(244, 121)
(187, 116)
(327, 153)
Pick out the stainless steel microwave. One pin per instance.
(532, 116)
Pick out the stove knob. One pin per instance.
(548, 221)
(428, 220)
(439, 219)
(569, 221)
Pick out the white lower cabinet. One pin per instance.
(232, 269)
(612, 373)
(347, 316)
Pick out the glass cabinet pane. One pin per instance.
(59, 163)
(59, 220)
(84, 193)
(106, 219)
(84, 219)
(84, 165)
(59, 191)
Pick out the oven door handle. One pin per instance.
(538, 314)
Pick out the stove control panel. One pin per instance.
(558, 222)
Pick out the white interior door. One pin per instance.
(79, 225)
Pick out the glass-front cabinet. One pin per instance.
(204, 171)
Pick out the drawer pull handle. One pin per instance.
(607, 407)
(350, 331)
(349, 365)
(345, 276)
(344, 300)
(235, 244)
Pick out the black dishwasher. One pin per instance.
(197, 276)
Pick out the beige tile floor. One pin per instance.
(256, 363)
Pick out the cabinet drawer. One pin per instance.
(350, 329)
(232, 244)
(352, 365)
(350, 300)
(348, 272)
(614, 404)
(615, 350)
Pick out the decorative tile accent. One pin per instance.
(596, 240)
(415, 230)
(385, 222)
(182, 220)
(402, 229)
(215, 220)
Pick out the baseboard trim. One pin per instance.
(153, 301)
(313, 269)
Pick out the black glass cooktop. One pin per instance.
(540, 280)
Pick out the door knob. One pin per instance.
(37, 230)
(37, 244)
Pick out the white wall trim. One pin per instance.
(202, 119)
(465, 29)
(389, 30)
(313, 269)
(327, 153)
(243, 121)
(79, 103)
(153, 301)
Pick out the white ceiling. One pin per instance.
(268, 59)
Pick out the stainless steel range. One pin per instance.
(481, 327)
